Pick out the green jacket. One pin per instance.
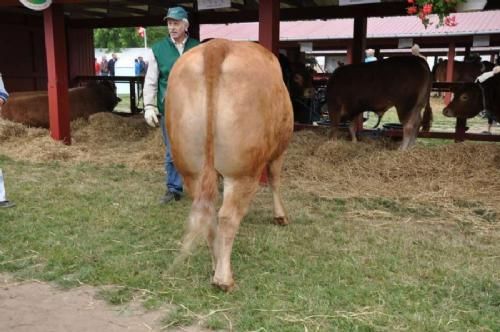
(166, 54)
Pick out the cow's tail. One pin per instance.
(203, 213)
(427, 117)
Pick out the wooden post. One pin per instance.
(358, 53)
(359, 40)
(349, 55)
(269, 35)
(194, 22)
(449, 70)
(269, 25)
(467, 52)
(57, 73)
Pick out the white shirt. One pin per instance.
(151, 80)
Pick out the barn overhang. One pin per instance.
(88, 14)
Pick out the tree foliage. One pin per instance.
(114, 39)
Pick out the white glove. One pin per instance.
(151, 115)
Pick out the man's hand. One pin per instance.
(151, 115)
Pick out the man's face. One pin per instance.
(176, 29)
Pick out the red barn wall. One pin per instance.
(81, 53)
(23, 62)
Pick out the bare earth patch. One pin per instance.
(37, 306)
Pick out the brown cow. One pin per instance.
(32, 108)
(462, 71)
(472, 98)
(402, 81)
(228, 114)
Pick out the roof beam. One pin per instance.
(286, 14)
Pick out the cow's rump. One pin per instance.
(244, 92)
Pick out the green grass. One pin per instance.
(324, 272)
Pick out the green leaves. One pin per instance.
(114, 39)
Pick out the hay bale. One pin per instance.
(10, 129)
(369, 169)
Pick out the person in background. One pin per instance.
(4, 203)
(137, 72)
(144, 66)
(370, 55)
(104, 66)
(97, 67)
(3, 93)
(112, 64)
(160, 62)
(415, 50)
(137, 67)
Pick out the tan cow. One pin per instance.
(229, 114)
(32, 108)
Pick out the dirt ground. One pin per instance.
(40, 307)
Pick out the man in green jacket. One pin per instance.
(160, 63)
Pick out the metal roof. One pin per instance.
(472, 23)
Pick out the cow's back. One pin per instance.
(251, 117)
(462, 71)
(32, 108)
(380, 84)
(29, 108)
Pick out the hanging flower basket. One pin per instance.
(442, 8)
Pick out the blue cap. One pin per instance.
(176, 13)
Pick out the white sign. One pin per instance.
(36, 4)
(213, 4)
(481, 40)
(306, 47)
(405, 42)
(356, 2)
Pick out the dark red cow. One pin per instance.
(403, 82)
(462, 71)
(472, 98)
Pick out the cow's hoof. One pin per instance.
(225, 286)
(281, 221)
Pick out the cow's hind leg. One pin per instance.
(280, 217)
(202, 218)
(353, 127)
(334, 113)
(238, 194)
